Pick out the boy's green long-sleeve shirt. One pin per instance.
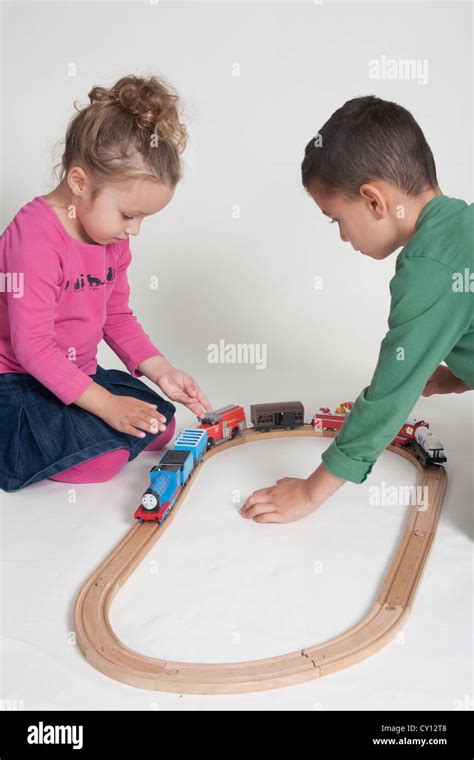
(431, 320)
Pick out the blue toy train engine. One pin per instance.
(170, 475)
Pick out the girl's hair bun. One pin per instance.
(136, 117)
(151, 102)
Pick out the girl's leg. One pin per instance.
(104, 467)
(96, 470)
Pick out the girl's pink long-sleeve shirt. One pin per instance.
(58, 298)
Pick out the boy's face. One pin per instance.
(365, 221)
(119, 210)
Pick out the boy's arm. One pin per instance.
(427, 318)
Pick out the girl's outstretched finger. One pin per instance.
(196, 394)
(202, 398)
(195, 407)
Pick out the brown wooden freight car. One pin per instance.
(277, 416)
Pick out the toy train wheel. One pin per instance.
(235, 432)
(420, 453)
(210, 443)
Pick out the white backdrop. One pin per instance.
(236, 255)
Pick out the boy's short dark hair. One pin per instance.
(369, 138)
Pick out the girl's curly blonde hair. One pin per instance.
(132, 129)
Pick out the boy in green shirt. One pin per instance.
(372, 172)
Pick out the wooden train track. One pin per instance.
(107, 653)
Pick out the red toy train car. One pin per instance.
(223, 424)
(327, 420)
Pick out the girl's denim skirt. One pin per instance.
(40, 435)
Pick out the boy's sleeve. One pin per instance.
(31, 252)
(427, 318)
(122, 331)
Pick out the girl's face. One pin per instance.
(368, 222)
(118, 210)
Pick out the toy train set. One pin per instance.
(170, 482)
(176, 465)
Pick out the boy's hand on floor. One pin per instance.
(291, 498)
(288, 500)
(444, 381)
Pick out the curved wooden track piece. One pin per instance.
(108, 654)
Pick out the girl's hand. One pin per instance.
(180, 387)
(130, 415)
(443, 381)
